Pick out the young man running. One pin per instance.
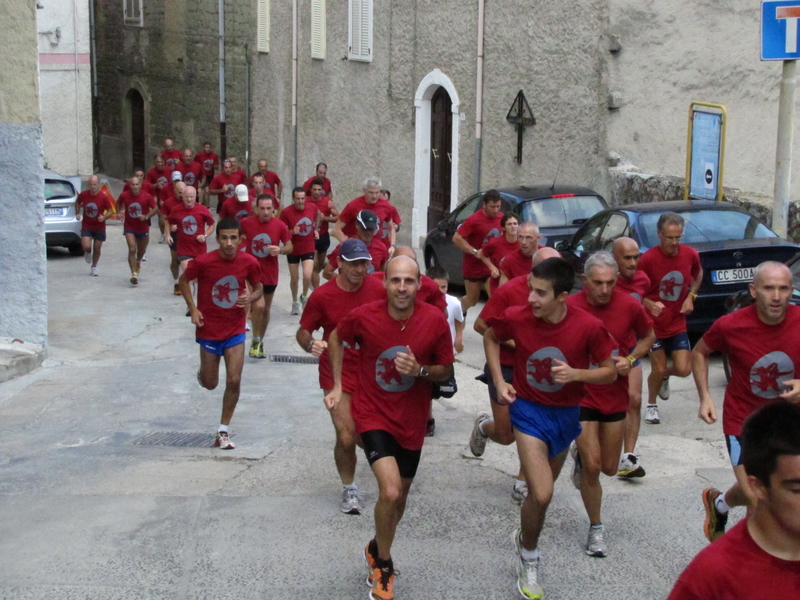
(326, 307)
(403, 347)
(328, 214)
(194, 224)
(219, 316)
(555, 347)
(761, 342)
(136, 207)
(95, 208)
(302, 218)
(603, 407)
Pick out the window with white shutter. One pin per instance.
(318, 29)
(360, 38)
(132, 10)
(262, 41)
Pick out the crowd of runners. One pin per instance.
(563, 370)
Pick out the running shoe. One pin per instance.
(295, 308)
(714, 525)
(144, 257)
(576, 466)
(596, 544)
(87, 256)
(629, 466)
(223, 442)
(370, 556)
(431, 428)
(663, 391)
(135, 278)
(95, 272)
(527, 572)
(247, 327)
(257, 349)
(519, 493)
(176, 290)
(651, 416)
(303, 301)
(162, 239)
(382, 583)
(351, 504)
(477, 439)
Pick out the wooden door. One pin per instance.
(441, 153)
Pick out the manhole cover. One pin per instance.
(292, 359)
(177, 438)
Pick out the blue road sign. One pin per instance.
(780, 20)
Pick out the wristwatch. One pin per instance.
(474, 251)
(423, 372)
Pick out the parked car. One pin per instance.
(558, 210)
(730, 240)
(61, 225)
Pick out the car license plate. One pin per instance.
(59, 212)
(732, 275)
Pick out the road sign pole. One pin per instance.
(783, 154)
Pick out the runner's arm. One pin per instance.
(700, 354)
(308, 343)
(506, 394)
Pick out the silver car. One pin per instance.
(61, 225)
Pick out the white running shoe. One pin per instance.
(596, 544)
(576, 467)
(527, 572)
(95, 273)
(518, 494)
(295, 308)
(629, 466)
(663, 391)
(651, 415)
(477, 439)
(87, 256)
(351, 504)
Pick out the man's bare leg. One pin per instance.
(473, 294)
(391, 504)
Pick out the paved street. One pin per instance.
(87, 513)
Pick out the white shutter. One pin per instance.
(360, 42)
(132, 10)
(318, 29)
(262, 41)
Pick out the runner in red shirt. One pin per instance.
(219, 318)
(272, 183)
(367, 226)
(160, 177)
(263, 237)
(136, 207)
(603, 408)
(390, 227)
(555, 346)
(403, 347)
(238, 207)
(302, 218)
(636, 283)
(761, 342)
(223, 185)
(95, 208)
(429, 291)
(171, 155)
(346, 224)
(167, 206)
(328, 214)
(470, 237)
(146, 185)
(498, 248)
(190, 170)
(520, 261)
(238, 171)
(760, 557)
(209, 163)
(320, 173)
(258, 188)
(326, 307)
(194, 224)
(675, 276)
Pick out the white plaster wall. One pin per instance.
(65, 88)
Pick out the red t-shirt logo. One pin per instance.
(134, 210)
(769, 373)
(188, 178)
(189, 225)
(229, 189)
(305, 226)
(225, 292)
(91, 210)
(260, 243)
(387, 375)
(492, 234)
(538, 369)
(671, 286)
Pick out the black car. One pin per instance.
(558, 210)
(730, 240)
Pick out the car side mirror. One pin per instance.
(442, 226)
(561, 245)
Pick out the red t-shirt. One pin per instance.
(258, 236)
(428, 291)
(636, 286)
(302, 242)
(92, 207)
(384, 399)
(376, 250)
(324, 206)
(233, 208)
(761, 357)
(227, 183)
(328, 305)
(477, 230)
(326, 185)
(626, 320)
(154, 176)
(670, 280)
(579, 340)
(387, 226)
(135, 206)
(495, 250)
(168, 205)
(208, 161)
(172, 158)
(735, 567)
(191, 223)
(220, 282)
(271, 182)
(191, 173)
(348, 216)
(516, 264)
(514, 293)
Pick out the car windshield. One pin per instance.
(55, 189)
(707, 226)
(561, 210)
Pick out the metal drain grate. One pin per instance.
(177, 438)
(291, 359)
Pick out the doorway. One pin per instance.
(441, 156)
(136, 103)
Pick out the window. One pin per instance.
(586, 240)
(359, 46)
(318, 29)
(616, 227)
(262, 37)
(707, 226)
(467, 209)
(133, 12)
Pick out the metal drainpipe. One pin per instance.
(223, 140)
(479, 98)
(294, 93)
(77, 74)
(247, 107)
(93, 36)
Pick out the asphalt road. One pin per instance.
(89, 512)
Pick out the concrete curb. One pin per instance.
(18, 358)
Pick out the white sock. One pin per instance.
(721, 505)
(652, 404)
(350, 486)
(529, 554)
(519, 483)
(480, 426)
(223, 428)
(176, 282)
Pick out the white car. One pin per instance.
(61, 225)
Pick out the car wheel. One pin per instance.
(76, 249)
(431, 260)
